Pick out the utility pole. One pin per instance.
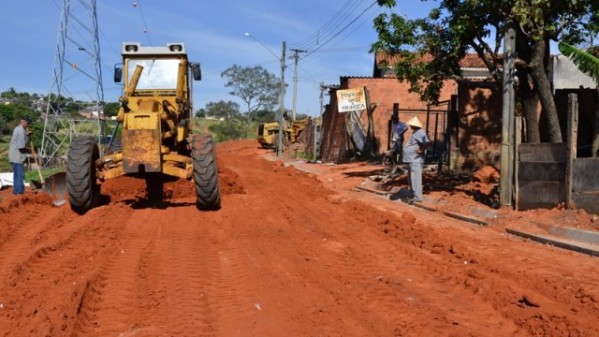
(296, 58)
(281, 105)
(507, 119)
(317, 128)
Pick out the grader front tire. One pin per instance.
(205, 173)
(81, 174)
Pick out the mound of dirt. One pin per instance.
(486, 175)
(10, 201)
(128, 187)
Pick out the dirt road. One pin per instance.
(289, 254)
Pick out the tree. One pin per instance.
(263, 116)
(23, 98)
(111, 109)
(432, 47)
(201, 113)
(11, 113)
(226, 130)
(587, 63)
(221, 109)
(258, 88)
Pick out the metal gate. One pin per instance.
(437, 126)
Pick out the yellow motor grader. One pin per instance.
(156, 137)
(268, 133)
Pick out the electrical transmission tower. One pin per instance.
(76, 98)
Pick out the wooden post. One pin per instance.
(571, 146)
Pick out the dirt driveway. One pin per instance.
(289, 254)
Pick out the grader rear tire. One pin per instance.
(205, 173)
(83, 191)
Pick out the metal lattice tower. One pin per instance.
(76, 98)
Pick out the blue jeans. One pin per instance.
(18, 179)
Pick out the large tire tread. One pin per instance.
(81, 175)
(205, 173)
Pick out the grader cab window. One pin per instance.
(157, 73)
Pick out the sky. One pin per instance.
(336, 35)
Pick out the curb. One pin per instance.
(366, 189)
(581, 235)
(581, 241)
(458, 216)
(560, 243)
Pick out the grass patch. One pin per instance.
(32, 174)
(4, 163)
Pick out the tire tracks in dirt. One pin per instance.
(385, 274)
(285, 256)
(110, 301)
(50, 253)
(168, 279)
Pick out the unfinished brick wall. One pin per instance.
(383, 92)
(479, 127)
(333, 146)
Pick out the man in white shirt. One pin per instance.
(17, 153)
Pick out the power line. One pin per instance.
(329, 27)
(340, 31)
(137, 3)
(348, 34)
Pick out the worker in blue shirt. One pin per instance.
(413, 155)
(397, 137)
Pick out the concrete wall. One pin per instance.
(541, 178)
(564, 74)
(541, 175)
(585, 189)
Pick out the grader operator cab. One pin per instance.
(156, 138)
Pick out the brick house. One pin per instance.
(466, 127)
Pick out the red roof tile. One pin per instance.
(471, 60)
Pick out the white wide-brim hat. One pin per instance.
(415, 121)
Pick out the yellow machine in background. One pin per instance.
(268, 133)
(156, 137)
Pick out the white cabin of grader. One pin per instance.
(156, 136)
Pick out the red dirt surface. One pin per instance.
(289, 254)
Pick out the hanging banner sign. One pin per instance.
(351, 100)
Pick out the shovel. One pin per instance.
(54, 185)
